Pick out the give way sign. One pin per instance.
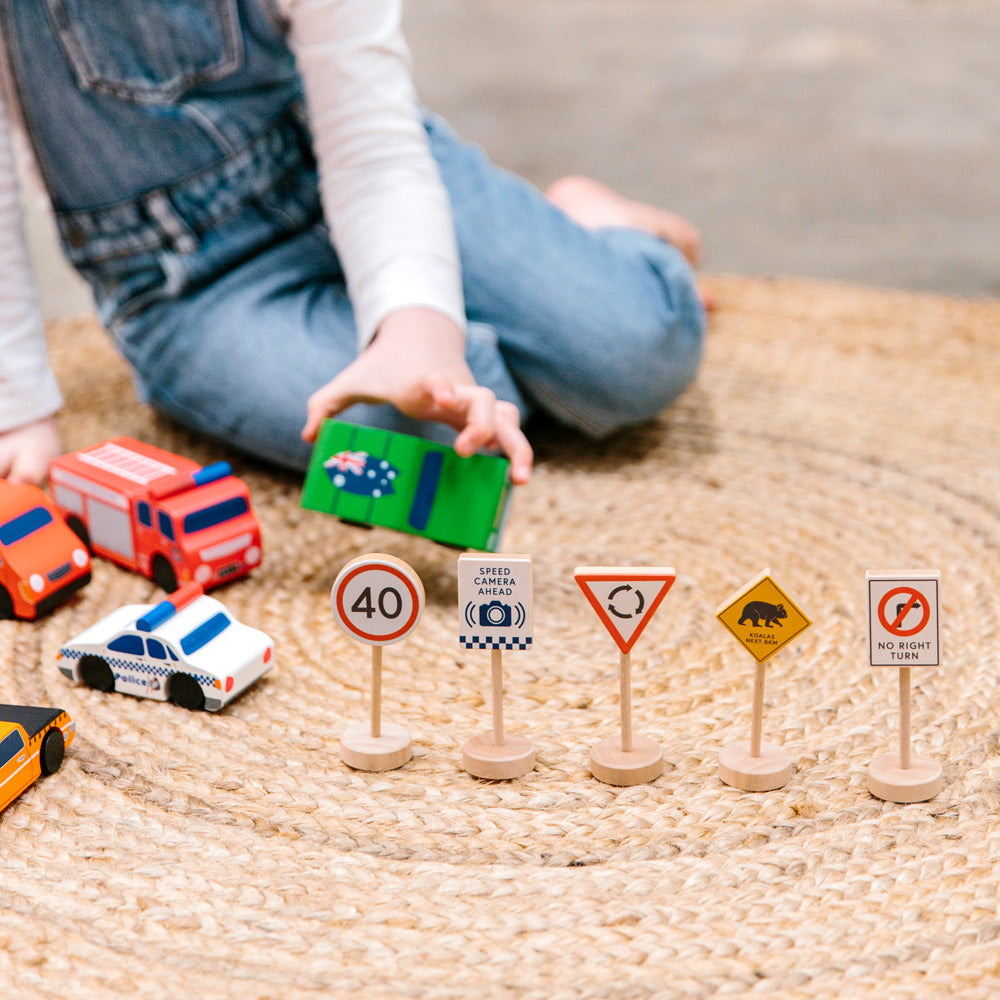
(625, 597)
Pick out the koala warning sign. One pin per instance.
(494, 601)
(762, 617)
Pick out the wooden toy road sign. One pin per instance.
(378, 599)
(494, 601)
(625, 597)
(762, 617)
(903, 616)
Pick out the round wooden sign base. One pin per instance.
(364, 752)
(772, 769)
(614, 766)
(921, 781)
(482, 758)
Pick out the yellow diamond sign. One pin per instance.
(762, 617)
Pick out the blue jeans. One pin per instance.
(599, 329)
(185, 192)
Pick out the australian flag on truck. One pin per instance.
(362, 474)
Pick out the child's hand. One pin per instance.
(417, 363)
(25, 452)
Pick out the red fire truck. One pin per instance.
(158, 513)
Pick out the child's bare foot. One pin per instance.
(595, 205)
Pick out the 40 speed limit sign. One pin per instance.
(378, 599)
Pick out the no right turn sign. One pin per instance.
(903, 619)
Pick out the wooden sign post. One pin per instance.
(625, 599)
(378, 599)
(494, 601)
(903, 632)
(763, 619)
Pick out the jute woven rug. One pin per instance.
(832, 430)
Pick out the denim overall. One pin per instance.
(172, 138)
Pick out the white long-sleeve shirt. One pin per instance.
(382, 196)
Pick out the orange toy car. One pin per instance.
(32, 743)
(41, 561)
(158, 513)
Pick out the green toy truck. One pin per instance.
(379, 477)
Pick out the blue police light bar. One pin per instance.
(156, 616)
(165, 610)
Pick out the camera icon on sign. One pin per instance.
(495, 615)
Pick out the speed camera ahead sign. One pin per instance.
(494, 601)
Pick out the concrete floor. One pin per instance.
(856, 140)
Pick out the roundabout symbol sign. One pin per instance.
(638, 602)
(625, 597)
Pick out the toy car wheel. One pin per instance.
(6, 604)
(163, 574)
(96, 674)
(186, 692)
(79, 529)
(53, 751)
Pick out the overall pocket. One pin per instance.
(150, 52)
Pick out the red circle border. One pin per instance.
(410, 623)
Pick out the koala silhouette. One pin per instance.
(756, 610)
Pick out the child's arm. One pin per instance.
(390, 219)
(29, 395)
(388, 212)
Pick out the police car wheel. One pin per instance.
(6, 604)
(96, 674)
(186, 692)
(163, 574)
(53, 751)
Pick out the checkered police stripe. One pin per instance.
(138, 666)
(488, 642)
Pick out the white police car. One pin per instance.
(187, 649)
